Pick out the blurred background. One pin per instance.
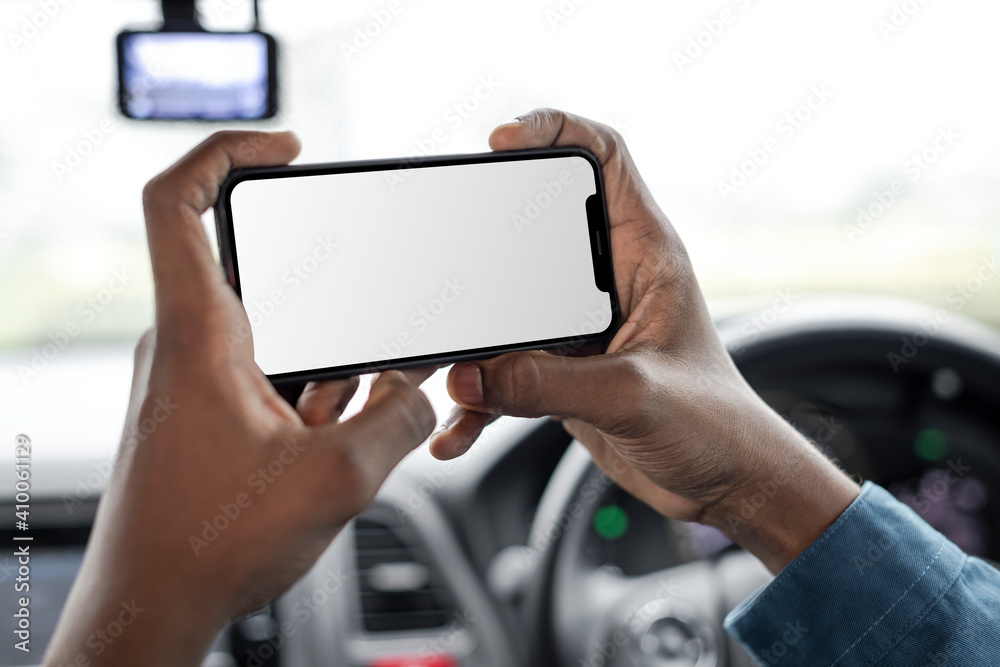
(800, 148)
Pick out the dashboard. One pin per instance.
(927, 430)
(442, 571)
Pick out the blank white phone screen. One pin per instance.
(367, 267)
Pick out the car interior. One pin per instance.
(831, 169)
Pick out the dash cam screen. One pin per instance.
(177, 75)
(368, 267)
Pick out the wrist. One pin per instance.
(785, 499)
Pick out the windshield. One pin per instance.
(799, 148)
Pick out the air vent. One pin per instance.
(399, 591)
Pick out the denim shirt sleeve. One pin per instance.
(879, 587)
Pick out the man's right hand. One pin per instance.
(664, 411)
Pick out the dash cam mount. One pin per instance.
(180, 15)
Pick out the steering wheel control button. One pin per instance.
(675, 640)
(435, 660)
(511, 572)
(672, 642)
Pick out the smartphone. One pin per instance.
(197, 75)
(357, 267)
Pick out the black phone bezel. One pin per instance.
(598, 231)
(272, 75)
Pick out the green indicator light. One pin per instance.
(930, 444)
(611, 522)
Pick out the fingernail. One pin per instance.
(517, 121)
(468, 384)
(446, 424)
(450, 421)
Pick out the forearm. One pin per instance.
(111, 620)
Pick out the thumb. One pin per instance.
(551, 127)
(538, 384)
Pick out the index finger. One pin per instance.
(184, 269)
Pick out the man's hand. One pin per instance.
(223, 494)
(665, 411)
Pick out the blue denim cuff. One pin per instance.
(854, 593)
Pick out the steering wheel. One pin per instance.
(591, 614)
